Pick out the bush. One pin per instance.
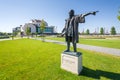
(4, 37)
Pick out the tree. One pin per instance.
(101, 31)
(113, 31)
(28, 30)
(118, 15)
(13, 34)
(42, 28)
(37, 30)
(87, 32)
(36, 34)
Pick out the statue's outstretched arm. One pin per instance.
(93, 13)
(63, 31)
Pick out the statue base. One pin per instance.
(72, 62)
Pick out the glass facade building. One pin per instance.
(46, 30)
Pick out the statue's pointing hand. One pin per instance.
(94, 13)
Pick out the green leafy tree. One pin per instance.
(36, 34)
(118, 15)
(101, 31)
(113, 31)
(28, 31)
(42, 28)
(87, 32)
(13, 34)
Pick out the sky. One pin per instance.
(14, 13)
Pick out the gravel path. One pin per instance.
(105, 50)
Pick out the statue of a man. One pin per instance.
(71, 28)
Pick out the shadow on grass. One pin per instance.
(96, 74)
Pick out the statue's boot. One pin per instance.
(74, 47)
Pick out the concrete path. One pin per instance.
(105, 50)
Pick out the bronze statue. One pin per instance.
(71, 28)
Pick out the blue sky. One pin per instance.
(16, 12)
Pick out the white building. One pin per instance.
(34, 26)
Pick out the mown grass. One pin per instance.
(27, 59)
(111, 43)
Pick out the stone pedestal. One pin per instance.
(72, 62)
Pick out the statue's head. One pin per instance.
(71, 13)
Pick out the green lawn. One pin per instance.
(27, 59)
(112, 43)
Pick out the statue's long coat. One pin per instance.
(65, 30)
(71, 28)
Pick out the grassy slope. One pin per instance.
(32, 60)
(112, 43)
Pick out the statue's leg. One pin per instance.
(68, 45)
(74, 47)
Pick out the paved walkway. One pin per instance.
(105, 50)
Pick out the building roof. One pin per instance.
(36, 20)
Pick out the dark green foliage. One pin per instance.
(101, 31)
(4, 35)
(87, 32)
(118, 15)
(28, 31)
(113, 31)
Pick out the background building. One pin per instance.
(17, 31)
(34, 26)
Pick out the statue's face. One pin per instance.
(71, 14)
